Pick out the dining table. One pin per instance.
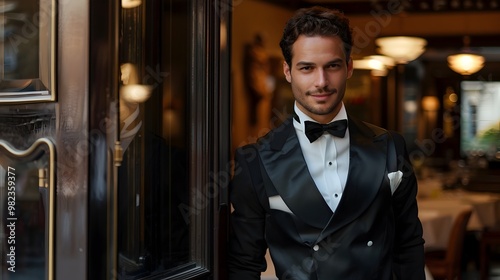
(439, 208)
(436, 227)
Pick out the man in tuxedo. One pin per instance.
(332, 197)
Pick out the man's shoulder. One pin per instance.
(366, 128)
(377, 130)
(273, 139)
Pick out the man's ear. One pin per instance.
(350, 68)
(286, 71)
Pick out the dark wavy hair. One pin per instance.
(316, 21)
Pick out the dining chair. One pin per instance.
(489, 238)
(446, 263)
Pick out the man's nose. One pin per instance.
(321, 79)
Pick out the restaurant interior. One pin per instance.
(429, 69)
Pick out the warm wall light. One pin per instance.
(131, 91)
(402, 49)
(135, 93)
(430, 103)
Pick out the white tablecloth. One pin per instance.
(436, 227)
(438, 211)
(485, 207)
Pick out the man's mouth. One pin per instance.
(321, 97)
(322, 93)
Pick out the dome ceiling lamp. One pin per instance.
(402, 49)
(466, 62)
(128, 4)
(378, 64)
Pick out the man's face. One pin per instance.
(318, 75)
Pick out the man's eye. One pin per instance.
(306, 68)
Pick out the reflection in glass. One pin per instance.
(25, 186)
(153, 194)
(26, 50)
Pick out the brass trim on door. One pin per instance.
(51, 188)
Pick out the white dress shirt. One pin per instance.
(327, 158)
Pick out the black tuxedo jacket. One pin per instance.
(373, 233)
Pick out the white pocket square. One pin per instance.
(277, 203)
(395, 180)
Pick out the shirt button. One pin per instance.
(336, 195)
(330, 163)
(316, 248)
(370, 243)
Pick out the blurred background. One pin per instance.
(403, 79)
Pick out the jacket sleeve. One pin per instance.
(409, 260)
(247, 245)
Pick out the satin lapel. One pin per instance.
(285, 165)
(367, 166)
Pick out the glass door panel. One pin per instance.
(27, 50)
(154, 228)
(27, 210)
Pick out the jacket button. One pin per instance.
(370, 243)
(316, 248)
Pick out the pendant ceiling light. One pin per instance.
(378, 64)
(466, 62)
(127, 4)
(402, 49)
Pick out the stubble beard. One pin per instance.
(317, 110)
(320, 110)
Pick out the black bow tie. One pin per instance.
(314, 130)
